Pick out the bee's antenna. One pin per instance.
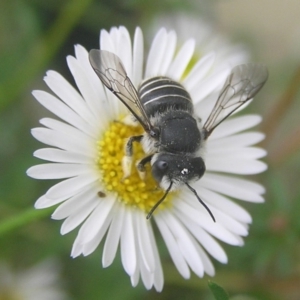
(195, 193)
(160, 201)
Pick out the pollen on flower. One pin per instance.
(132, 190)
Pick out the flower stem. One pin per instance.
(291, 146)
(272, 120)
(42, 51)
(22, 219)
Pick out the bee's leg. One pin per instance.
(127, 159)
(141, 166)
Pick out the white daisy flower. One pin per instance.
(39, 282)
(87, 148)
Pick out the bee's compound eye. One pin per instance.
(154, 133)
(161, 168)
(162, 165)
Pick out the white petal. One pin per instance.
(72, 186)
(67, 129)
(235, 141)
(181, 60)
(144, 242)
(235, 125)
(223, 204)
(156, 53)
(99, 99)
(92, 245)
(235, 153)
(207, 86)
(172, 246)
(76, 249)
(83, 56)
(233, 187)
(62, 156)
(235, 166)
(63, 141)
(115, 37)
(72, 133)
(124, 50)
(185, 244)
(205, 240)
(67, 93)
(201, 217)
(85, 87)
(57, 171)
(199, 71)
(111, 42)
(63, 111)
(118, 41)
(168, 55)
(158, 273)
(146, 276)
(128, 243)
(138, 56)
(95, 221)
(106, 42)
(44, 202)
(74, 204)
(78, 216)
(135, 278)
(208, 266)
(204, 106)
(113, 236)
(230, 223)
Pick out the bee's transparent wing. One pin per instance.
(111, 72)
(243, 83)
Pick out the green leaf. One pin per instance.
(218, 292)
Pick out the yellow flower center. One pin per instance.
(132, 190)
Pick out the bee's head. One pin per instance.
(173, 170)
(179, 169)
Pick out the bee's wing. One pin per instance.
(243, 83)
(111, 72)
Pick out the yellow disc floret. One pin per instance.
(132, 190)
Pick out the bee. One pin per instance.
(173, 137)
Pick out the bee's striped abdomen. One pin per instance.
(158, 94)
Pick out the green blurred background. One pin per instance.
(37, 35)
